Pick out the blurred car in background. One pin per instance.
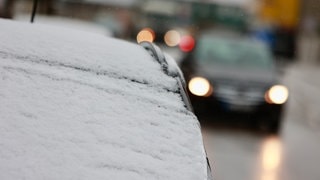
(164, 22)
(229, 73)
(78, 105)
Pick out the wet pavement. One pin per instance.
(242, 153)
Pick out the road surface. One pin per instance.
(238, 153)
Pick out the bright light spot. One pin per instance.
(277, 94)
(146, 34)
(172, 38)
(271, 159)
(200, 86)
(271, 154)
(186, 43)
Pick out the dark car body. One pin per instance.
(241, 72)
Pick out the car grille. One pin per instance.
(240, 94)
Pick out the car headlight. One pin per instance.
(200, 86)
(277, 94)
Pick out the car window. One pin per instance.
(227, 52)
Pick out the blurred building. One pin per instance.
(280, 19)
(310, 16)
(115, 15)
(309, 40)
(6, 8)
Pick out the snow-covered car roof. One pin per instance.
(76, 105)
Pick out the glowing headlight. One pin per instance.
(277, 94)
(200, 86)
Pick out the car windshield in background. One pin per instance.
(229, 52)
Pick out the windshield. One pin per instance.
(233, 52)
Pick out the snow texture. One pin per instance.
(83, 106)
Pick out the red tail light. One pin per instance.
(187, 43)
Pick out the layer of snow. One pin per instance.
(83, 106)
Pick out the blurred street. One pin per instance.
(244, 154)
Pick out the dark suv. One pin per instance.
(231, 74)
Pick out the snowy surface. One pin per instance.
(83, 106)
